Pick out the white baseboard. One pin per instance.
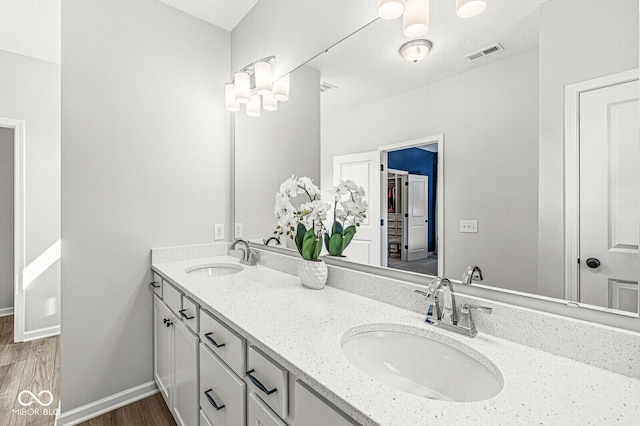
(41, 333)
(4, 312)
(104, 405)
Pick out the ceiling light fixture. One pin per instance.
(470, 8)
(253, 85)
(415, 50)
(390, 9)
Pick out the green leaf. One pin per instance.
(336, 228)
(300, 233)
(335, 245)
(349, 232)
(326, 241)
(309, 245)
(318, 248)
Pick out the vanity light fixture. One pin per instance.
(415, 13)
(415, 50)
(253, 85)
(470, 8)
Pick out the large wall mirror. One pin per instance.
(513, 146)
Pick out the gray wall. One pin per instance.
(30, 91)
(489, 118)
(579, 40)
(272, 147)
(145, 164)
(6, 218)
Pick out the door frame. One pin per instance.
(384, 150)
(572, 173)
(18, 127)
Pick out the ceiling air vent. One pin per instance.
(484, 52)
(325, 87)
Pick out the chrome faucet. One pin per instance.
(469, 273)
(247, 258)
(462, 323)
(266, 241)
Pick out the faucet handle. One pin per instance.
(421, 292)
(485, 309)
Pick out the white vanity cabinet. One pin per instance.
(162, 348)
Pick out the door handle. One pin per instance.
(593, 263)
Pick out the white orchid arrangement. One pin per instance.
(347, 218)
(304, 224)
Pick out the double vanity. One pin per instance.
(238, 344)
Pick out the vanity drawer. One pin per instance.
(223, 342)
(220, 386)
(190, 314)
(172, 297)
(204, 421)
(312, 410)
(156, 283)
(268, 380)
(261, 415)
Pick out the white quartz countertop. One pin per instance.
(302, 329)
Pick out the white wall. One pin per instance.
(295, 31)
(272, 147)
(489, 118)
(145, 163)
(6, 218)
(579, 40)
(30, 91)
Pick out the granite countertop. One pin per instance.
(302, 329)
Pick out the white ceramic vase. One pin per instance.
(313, 274)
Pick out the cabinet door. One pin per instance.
(222, 393)
(260, 415)
(185, 391)
(162, 348)
(310, 410)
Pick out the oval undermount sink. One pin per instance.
(214, 269)
(422, 366)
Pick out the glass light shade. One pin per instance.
(470, 8)
(253, 107)
(415, 21)
(264, 86)
(281, 89)
(230, 98)
(390, 9)
(415, 50)
(243, 87)
(269, 103)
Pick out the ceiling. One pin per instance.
(367, 65)
(225, 14)
(31, 28)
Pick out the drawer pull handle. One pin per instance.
(259, 384)
(154, 284)
(185, 316)
(169, 323)
(211, 401)
(213, 342)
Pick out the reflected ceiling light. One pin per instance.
(470, 8)
(415, 50)
(253, 107)
(269, 103)
(390, 9)
(243, 87)
(230, 101)
(264, 85)
(415, 20)
(281, 89)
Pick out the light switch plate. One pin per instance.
(467, 226)
(238, 231)
(219, 232)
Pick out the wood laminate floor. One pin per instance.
(148, 411)
(32, 366)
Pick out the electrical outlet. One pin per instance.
(238, 231)
(219, 232)
(469, 226)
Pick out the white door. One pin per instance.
(610, 196)
(417, 222)
(162, 348)
(364, 170)
(186, 404)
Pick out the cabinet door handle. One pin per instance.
(185, 316)
(211, 401)
(169, 323)
(213, 342)
(259, 384)
(154, 284)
